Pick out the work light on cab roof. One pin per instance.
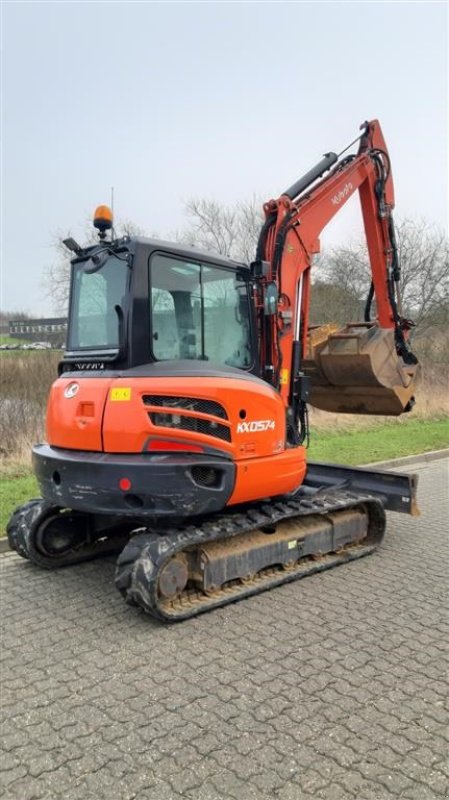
(103, 220)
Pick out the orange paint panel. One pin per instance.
(268, 477)
(75, 412)
(255, 415)
(83, 415)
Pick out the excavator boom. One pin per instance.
(366, 367)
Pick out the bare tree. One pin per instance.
(56, 278)
(330, 302)
(228, 230)
(346, 267)
(424, 258)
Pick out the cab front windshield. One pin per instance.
(198, 311)
(96, 300)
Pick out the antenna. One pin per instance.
(112, 209)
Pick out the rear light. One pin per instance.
(124, 484)
(160, 446)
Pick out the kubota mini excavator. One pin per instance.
(178, 425)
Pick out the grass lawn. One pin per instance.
(33, 355)
(390, 440)
(17, 485)
(9, 340)
(349, 446)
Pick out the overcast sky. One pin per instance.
(165, 101)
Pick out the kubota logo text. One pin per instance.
(257, 426)
(342, 194)
(71, 390)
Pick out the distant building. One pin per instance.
(35, 330)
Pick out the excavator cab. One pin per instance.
(357, 370)
(140, 301)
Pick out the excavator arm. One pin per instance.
(367, 367)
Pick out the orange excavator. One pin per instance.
(178, 428)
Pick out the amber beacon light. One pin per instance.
(103, 220)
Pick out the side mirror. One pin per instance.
(270, 302)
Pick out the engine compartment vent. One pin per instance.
(210, 407)
(206, 476)
(180, 422)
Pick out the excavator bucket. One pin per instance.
(356, 370)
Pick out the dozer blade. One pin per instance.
(356, 370)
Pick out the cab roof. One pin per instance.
(176, 248)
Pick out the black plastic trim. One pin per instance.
(188, 368)
(162, 484)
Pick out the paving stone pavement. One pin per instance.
(333, 687)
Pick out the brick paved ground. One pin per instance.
(333, 687)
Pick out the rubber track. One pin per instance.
(139, 564)
(24, 524)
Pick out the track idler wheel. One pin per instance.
(59, 534)
(46, 535)
(52, 537)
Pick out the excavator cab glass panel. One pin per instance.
(199, 311)
(98, 289)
